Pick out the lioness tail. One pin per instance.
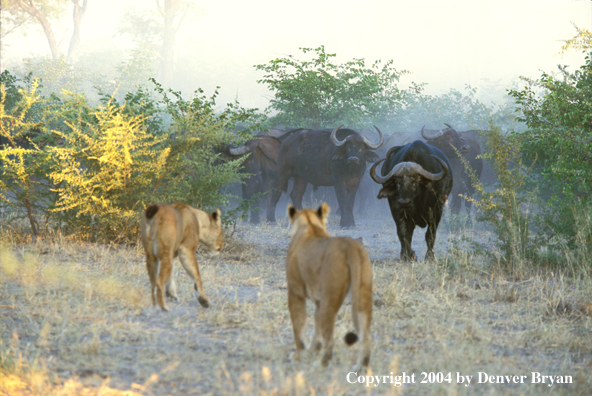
(151, 211)
(351, 338)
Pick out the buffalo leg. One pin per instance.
(346, 199)
(298, 192)
(247, 188)
(278, 188)
(455, 202)
(405, 230)
(430, 236)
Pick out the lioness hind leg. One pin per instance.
(365, 347)
(187, 257)
(327, 327)
(362, 317)
(317, 339)
(297, 307)
(164, 273)
(171, 287)
(152, 267)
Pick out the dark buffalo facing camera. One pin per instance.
(456, 145)
(416, 179)
(324, 157)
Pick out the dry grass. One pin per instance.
(75, 319)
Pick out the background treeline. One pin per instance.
(83, 156)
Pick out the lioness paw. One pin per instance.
(203, 302)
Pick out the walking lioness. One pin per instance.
(324, 268)
(169, 231)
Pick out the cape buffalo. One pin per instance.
(416, 179)
(261, 165)
(324, 158)
(447, 140)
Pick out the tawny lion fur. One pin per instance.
(324, 269)
(169, 231)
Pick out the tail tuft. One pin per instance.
(351, 338)
(151, 211)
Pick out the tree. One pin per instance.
(158, 30)
(24, 136)
(321, 94)
(21, 12)
(558, 113)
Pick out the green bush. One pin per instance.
(558, 113)
(106, 171)
(24, 164)
(94, 167)
(318, 93)
(508, 208)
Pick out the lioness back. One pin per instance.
(324, 268)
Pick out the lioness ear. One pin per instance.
(292, 211)
(216, 215)
(323, 211)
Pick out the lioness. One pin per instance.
(169, 231)
(324, 269)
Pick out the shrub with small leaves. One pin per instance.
(508, 208)
(106, 171)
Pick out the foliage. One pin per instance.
(107, 171)
(56, 75)
(137, 69)
(14, 15)
(508, 207)
(558, 113)
(94, 167)
(23, 159)
(196, 129)
(319, 93)
(44, 12)
(582, 40)
(462, 110)
(145, 28)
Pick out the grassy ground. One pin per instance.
(76, 319)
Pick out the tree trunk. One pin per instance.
(34, 11)
(32, 221)
(77, 16)
(171, 9)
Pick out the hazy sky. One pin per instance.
(446, 44)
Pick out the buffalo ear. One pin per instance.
(371, 156)
(385, 193)
(323, 212)
(292, 212)
(339, 154)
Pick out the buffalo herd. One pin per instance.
(416, 178)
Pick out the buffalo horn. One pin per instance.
(448, 125)
(240, 150)
(407, 169)
(377, 179)
(436, 136)
(334, 137)
(374, 146)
